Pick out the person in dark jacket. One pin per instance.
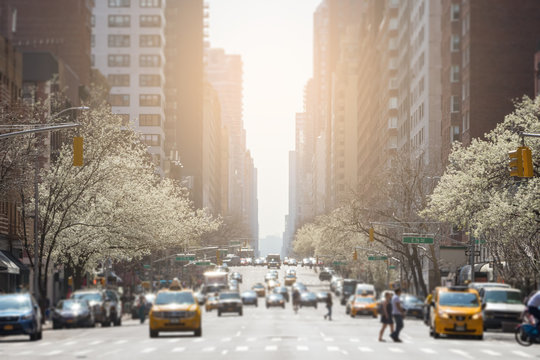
(386, 315)
(329, 307)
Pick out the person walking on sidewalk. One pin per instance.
(329, 307)
(386, 315)
(397, 312)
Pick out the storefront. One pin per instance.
(13, 273)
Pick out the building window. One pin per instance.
(150, 60)
(119, 21)
(466, 56)
(119, 99)
(118, 79)
(455, 104)
(454, 134)
(124, 118)
(454, 12)
(465, 90)
(119, 3)
(149, 120)
(454, 74)
(92, 60)
(151, 139)
(150, 3)
(455, 43)
(118, 60)
(150, 21)
(149, 100)
(465, 24)
(118, 40)
(150, 41)
(149, 80)
(93, 40)
(93, 21)
(466, 121)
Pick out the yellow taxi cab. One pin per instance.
(364, 305)
(211, 303)
(273, 284)
(175, 309)
(456, 310)
(290, 279)
(259, 289)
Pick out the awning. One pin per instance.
(7, 266)
(22, 267)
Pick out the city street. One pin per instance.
(263, 334)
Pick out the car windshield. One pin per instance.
(460, 299)
(412, 300)
(72, 305)
(87, 296)
(503, 297)
(174, 297)
(362, 299)
(226, 296)
(348, 287)
(15, 303)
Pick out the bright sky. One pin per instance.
(274, 38)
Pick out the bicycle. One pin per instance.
(527, 333)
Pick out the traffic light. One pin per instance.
(521, 162)
(371, 234)
(102, 281)
(218, 260)
(526, 157)
(77, 151)
(355, 255)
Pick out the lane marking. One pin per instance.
(396, 350)
(27, 352)
(69, 343)
(344, 352)
(322, 334)
(239, 333)
(428, 351)
(251, 339)
(120, 342)
(522, 354)
(332, 348)
(491, 352)
(209, 349)
(302, 348)
(224, 352)
(354, 340)
(148, 350)
(276, 339)
(329, 339)
(198, 340)
(242, 348)
(45, 343)
(54, 352)
(173, 340)
(270, 348)
(226, 339)
(462, 353)
(178, 349)
(96, 342)
(365, 349)
(83, 352)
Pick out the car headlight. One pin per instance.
(444, 315)
(27, 317)
(158, 314)
(477, 316)
(191, 314)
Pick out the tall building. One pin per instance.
(491, 73)
(127, 47)
(184, 90)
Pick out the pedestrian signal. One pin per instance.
(371, 234)
(355, 255)
(78, 151)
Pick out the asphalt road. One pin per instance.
(265, 334)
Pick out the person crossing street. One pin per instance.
(397, 312)
(329, 307)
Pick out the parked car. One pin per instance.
(348, 304)
(136, 303)
(211, 303)
(259, 289)
(250, 298)
(325, 275)
(308, 299)
(230, 302)
(275, 299)
(283, 291)
(106, 305)
(501, 307)
(20, 315)
(72, 313)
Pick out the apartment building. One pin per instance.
(128, 48)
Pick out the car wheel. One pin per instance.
(240, 313)
(256, 305)
(117, 321)
(283, 306)
(480, 337)
(315, 306)
(436, 335)
(219, 313)
(154, 333)
(55, 325)
(198, 332)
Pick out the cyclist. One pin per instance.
(533, 306)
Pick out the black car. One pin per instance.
(105, 304)
(250, 298)
(308, 299)
(325, 275)
(349, 285)
(283, 291)
(230, 302)
(322, 296)
(72, 313)
(413, 305)
(275, 299)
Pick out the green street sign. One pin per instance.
(337, 263)
(185, 258)
(391, 267)
(479, 241)
(203, 263)
(146, 266)
(234, 242)
(415, 239)
(374, 258)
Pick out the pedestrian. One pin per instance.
(142, 308)
(533, 306)
(397, 312)
(386, 315)
(295, 300)
(329, 307)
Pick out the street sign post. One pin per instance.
(391, 267)
(338, 263)
(203, 263)
(468, 253)
(417, 239)
(377, 257)
(146, 266)
(185, 258)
